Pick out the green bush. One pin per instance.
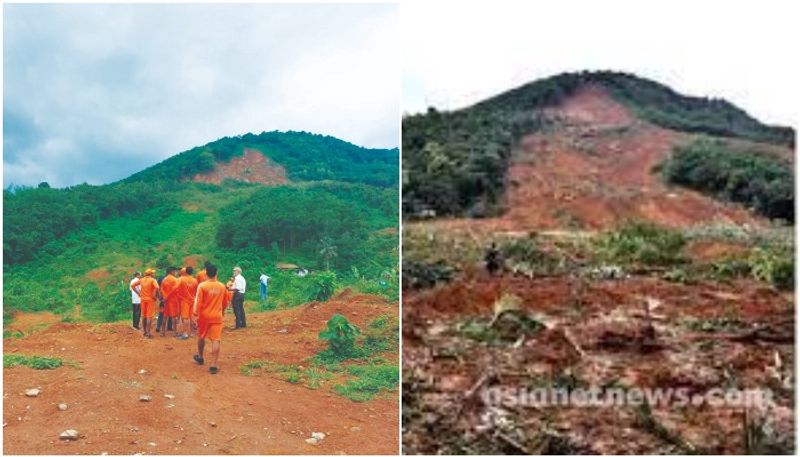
(341, 337)
(324, 285)
(641, 243)
(773, 266)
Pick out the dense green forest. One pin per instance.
(305, 156)
(738, 175)
(454, 163)
(72, 251)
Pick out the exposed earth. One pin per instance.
(598, 168)
(593, 337)
(253, 167)
(227, 413)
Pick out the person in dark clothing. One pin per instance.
(494, 262)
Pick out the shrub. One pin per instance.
(324, 285)
(641, 243)
(774, 266)
(341, 337)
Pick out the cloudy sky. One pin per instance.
(743, 51)
(94, 93)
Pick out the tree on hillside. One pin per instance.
(327, 251)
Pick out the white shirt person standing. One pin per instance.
(239, 288)
(136, 300)
(263, 285)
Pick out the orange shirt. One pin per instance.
(202, 276)
(149, 288)
(168, 286)
(211, 301)
(187, 288)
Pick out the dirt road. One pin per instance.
(228, 413)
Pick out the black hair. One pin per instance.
(171, 269)
(206, 264)
(211, 269)
(189, 270)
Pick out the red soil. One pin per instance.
(588, 312)
(253, 167)
(228, 413)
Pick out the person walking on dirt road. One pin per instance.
(209, 306)
(136, 300)
(238, 289)
(147, 289)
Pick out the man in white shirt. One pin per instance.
(263, 284)
(238, 289)
(136, 300)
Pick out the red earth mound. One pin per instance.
(253, 167)
(228, 413)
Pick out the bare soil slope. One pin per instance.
(253, 167)
(595, 169)
(228, 413)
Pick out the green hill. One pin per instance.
(455, 163)
(72, 251)
(305, 156)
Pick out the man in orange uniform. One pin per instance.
(172, 306)
(187, 289)
(147, 289)
(209, 306)
(202, 275)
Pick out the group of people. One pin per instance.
(187, 303)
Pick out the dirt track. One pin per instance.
(228, 413)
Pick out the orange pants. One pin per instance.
(210, 330)
(186, 309)
(172, 308)
(148, 308)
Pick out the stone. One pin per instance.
(70, 435)
(142, 371)
(318, 435)
(62, 406)
(144, 397)
(312, 441)
(32, 392)
(171, 397)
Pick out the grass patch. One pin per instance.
(13, 334)
(34, 361)
(369, 382)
